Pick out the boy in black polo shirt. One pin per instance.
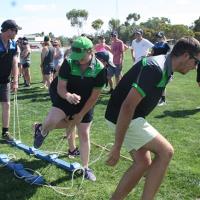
(136, 95)
(73, 95)
(8, 64)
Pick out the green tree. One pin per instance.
(133, 17)
(97, 24)
(156, 23)
(114, 24)
(178, 31)
(77, 18)
(197, 25)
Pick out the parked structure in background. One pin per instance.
(35, 41)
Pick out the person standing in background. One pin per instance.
(117, 49)
(9, 65)
(47, 61)
(58, 57)
(26, 61)
(140, 46)
(160, 48)
(101, 45)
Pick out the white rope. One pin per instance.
(16, 117)
(55, 188)
(58, 189)
(104, 148)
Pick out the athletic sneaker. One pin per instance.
(74, 153)
(38, 137)
(6, 136)
(89, 175)
(161, 102)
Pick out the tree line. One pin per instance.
(78, 19)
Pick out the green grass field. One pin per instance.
(178, 121)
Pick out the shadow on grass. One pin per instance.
(12, 188)
(178, 113)
(33, 95)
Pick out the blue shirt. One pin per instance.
(6, 60)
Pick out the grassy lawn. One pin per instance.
(178, 121)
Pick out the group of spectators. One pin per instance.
(77, 84)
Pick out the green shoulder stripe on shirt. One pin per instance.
(164, 80)
(144, 62)
(139, 89)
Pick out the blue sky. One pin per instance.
(50, 15)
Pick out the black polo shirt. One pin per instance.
(149, 77)
(6, 60)
(77, 82)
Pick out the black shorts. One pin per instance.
(47, 69)
(26, 65)
(68, 108)
(5, 92)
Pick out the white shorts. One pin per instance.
(139, 133)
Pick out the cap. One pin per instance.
(160, 34)
(138, 31)
(79, 48)
(105, 56)
(114, 33)
(46, 38)
(9, 24)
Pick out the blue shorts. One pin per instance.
(111, 71)
(47, 69)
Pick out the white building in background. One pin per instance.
(35, 41)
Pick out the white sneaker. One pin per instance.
(162, 103)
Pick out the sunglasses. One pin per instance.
(197, 61)
(78, 50)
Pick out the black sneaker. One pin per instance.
(74, 153)
(6, 136)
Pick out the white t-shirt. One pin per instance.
(141, 48)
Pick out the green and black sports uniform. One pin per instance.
(78, 83)
(149, 77)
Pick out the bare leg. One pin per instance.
(117, 79)
(53, 118)
(156, 172)
(84, 138)
(71, 139)
(142, 160)
(48, 79)
(110, 83)
(5, 114)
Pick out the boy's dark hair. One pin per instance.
(186, 44)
